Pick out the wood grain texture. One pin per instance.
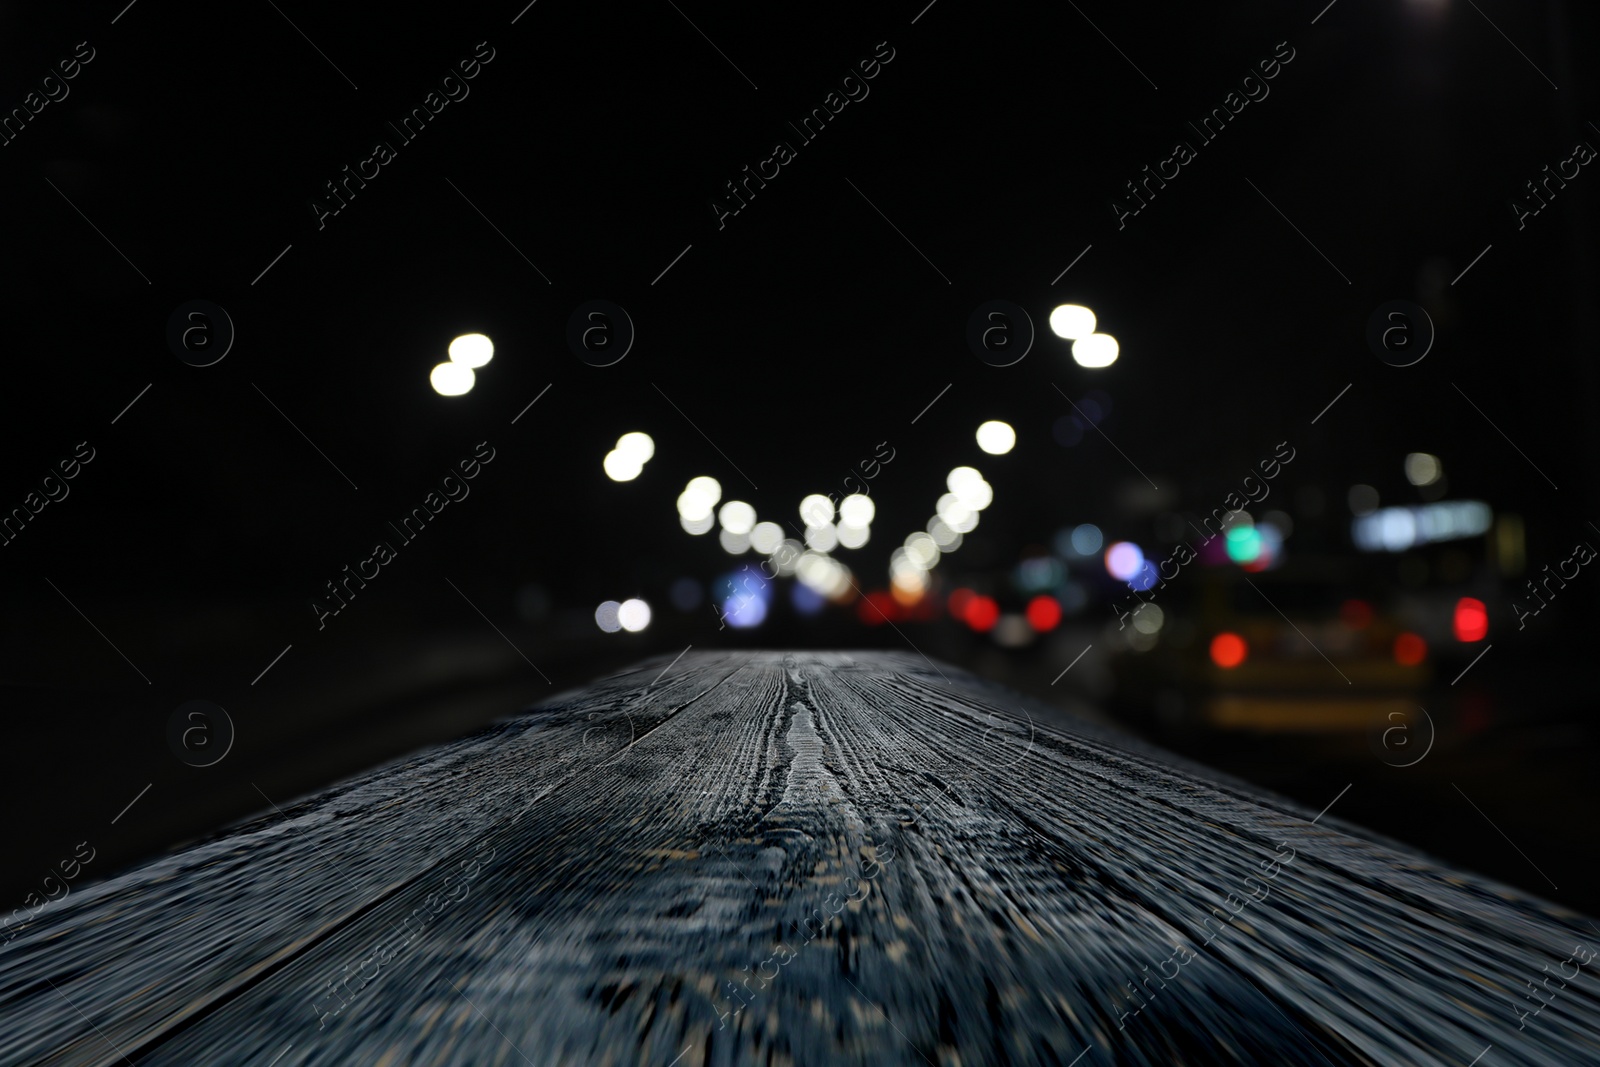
(799, 858)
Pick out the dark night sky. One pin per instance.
(799, 336)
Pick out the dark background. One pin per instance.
(796, 338)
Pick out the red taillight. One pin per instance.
(877, 608)
(1472, 620)
(1409, 650)
(1228, 650)
(982, 613)
(1044, 613)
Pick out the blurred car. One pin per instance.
(1281, 652)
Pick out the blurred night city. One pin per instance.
(1216, 381)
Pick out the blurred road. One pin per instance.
(797, 858)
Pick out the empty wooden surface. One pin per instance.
(802, 858)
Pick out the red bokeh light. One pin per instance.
(877, 608)
(1044, 613)
(1409, 650)
(1472, 620)
(1228, 650)
(958, 602)
(982, 613)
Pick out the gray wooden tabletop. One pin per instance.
(797, 858)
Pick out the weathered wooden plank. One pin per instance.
(796, 858)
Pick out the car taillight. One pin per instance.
(1409, 650)
(1472, 620)
(982, 613)
(1044, 613)
(1228, 650)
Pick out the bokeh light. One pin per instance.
(908, 579)
(908, 587)
(697, 500)
(1044, 613)
(605, 617)
(1096, 350)
(1409, 650)
(452, 379)
(857, 510)
(702, 524)
(1149, 619)
(1087, 539)
(806, 600)
(1145, 577)
(1244, 544)
(1471, 622)
(707, 486)
(962, 479)
(922, 550)
(1071, 321)
(641, 446)
(982, 613)
(944, 535)
(816, 510)
(1124, 560)
(1013, 631)
(1228, 650)
(824, 574)
(1271, 539)
(471, 350)
(853, 536)
(737, 517)
(969, 489)
(765, 537)
(621, 467)
(633, 615)
(1037, 573)
(1423, 468)
(996, 438)
(876, 607)
(822, 538)
(744, 611)
(1396, 529)
(1074, 596)
(1139, 641)
(786, 560)
(956, 515)
(743, 596)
